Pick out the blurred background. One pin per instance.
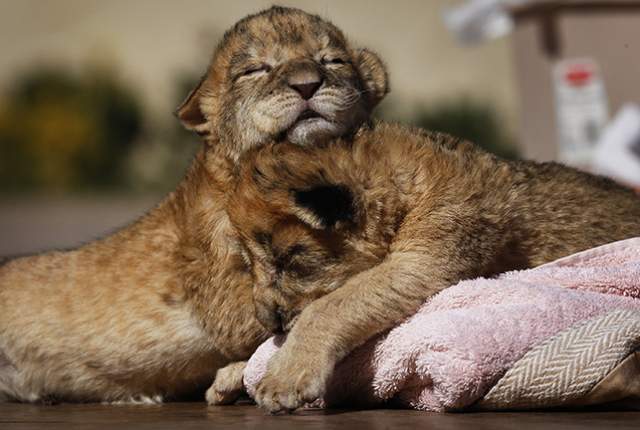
(88, 140)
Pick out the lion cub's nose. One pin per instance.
(306, 89)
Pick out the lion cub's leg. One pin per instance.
(334, 325)
(228, 385)
(425, 261)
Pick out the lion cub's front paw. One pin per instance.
(291, 381)
(228, 386)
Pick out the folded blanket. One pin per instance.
(535, 338)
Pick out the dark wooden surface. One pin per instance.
(199, 416)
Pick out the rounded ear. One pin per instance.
(374, 73)
(325, 206)
(190, 111)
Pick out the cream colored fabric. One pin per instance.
(578, 366)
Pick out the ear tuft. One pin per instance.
(325, 206)
(190, 111)
(375, 75)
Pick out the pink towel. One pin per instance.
(463, 340)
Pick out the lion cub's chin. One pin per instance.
(314, 130)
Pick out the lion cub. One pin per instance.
(347, 240)
(154, 310)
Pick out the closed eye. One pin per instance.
(293, 262)
(332, 60)
(283, 260)
(263, 68)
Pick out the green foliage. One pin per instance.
(60, 131)
(468, 119)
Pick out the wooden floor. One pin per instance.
(199, 416)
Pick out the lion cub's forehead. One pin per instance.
(284, 34)
(289, 232)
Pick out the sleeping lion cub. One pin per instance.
(347, 240)
(154, 310)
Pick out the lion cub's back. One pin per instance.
(547, 209)
(565, 211)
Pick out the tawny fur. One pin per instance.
(349, 239)
(153, 311)
(248, 95)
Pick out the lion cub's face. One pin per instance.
(283, 73)
(302, 234)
